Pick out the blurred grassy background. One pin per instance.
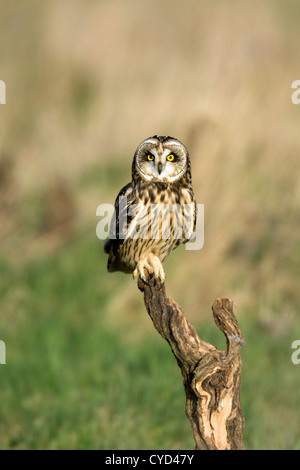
(86, 83)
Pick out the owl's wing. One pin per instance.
(190, 219)
(116, 229)
(191, 224)
(126, 208)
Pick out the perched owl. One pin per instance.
(155, 212)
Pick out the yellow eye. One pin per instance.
(150, 157)
(170, 157)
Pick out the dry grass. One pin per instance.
(87, 82)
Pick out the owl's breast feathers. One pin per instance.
(146, 208)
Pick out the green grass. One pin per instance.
(76, 379)
(71, 381)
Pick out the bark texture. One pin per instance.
(211, 378)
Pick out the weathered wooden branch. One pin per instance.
(211, 378)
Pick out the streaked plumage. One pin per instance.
(159, 202)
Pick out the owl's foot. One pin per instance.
(157, 267)
(139, 270)
(153, 265)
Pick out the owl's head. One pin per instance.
(161, 158)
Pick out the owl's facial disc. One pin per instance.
(161, 162)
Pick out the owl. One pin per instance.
(155, 212)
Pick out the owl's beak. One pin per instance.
(159, 168)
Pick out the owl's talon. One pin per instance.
(143, 277)
(139, 270)
(154, 267)
(158, 269)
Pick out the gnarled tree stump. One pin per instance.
(211, 378)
